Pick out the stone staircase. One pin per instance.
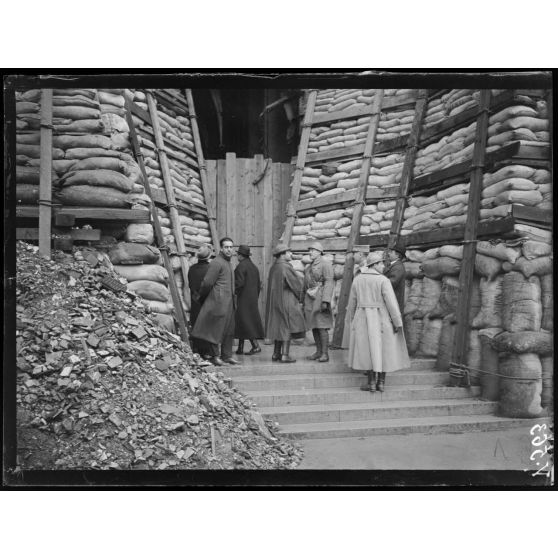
(311, 400)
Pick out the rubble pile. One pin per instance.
(101, 386)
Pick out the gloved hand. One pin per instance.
(396, 329)
(325, 307)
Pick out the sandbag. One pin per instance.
(81, 126)
(75, 113)
(537, 266)
(490, 383)
(527, 197)
(547, 393)
(166, 321)
(532, 249)
(547, 302)
(486, 266)
(539, 342)
(125, 253)
(521, 303)
(438, 267)
(98, 177)
(445, 343)
(430, 338)
(447, 300)
(413, 330)
(34, 151)
(88, 141)
(490, 314)
(158, 307)
(430, 294)
(139, 232)
(92, 196)
(413, 269)
(326, 233)
(452, 251)
(150, 290)
(520, 395)
(149, 272)
(498, 250)
(414, 298)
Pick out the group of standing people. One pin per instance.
(225, 306)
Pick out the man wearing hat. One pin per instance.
(373, 330)
(215, 322)
(284, 319)
(196, 273)
(395, 272)
(318, 292)
(248, 324)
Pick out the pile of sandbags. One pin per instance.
(91, 161)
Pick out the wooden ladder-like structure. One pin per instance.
(159, 238)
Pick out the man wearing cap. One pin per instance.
(318, 292)
(284, 319)
(395, 272)
(215, 322)
(373, 330)
(247, 282)
(196, 273)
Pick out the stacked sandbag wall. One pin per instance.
(510, 318)
(93, 166)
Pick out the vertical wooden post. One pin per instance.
(169, 189)
(301, 158)
(267, 221)
(201, 164)
(179, 310)
(460, 346)
(45, 180)
(408, 166)
(230, 193)
(360, 201)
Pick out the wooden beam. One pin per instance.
(360, 200)
(335, 244)
(96, 213)
(461, 341)
(532, 214)
(210, 206)
(28, 233)
(297, 178)
(169, 189)
(408, 166)
(45, 180)
(178, 308)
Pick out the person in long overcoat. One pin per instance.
(196, 273)
(247, 286)
(215, 322)
(284, 319)
(318, 293)
(373, 326)
(395, 272)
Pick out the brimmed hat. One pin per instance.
(244, 250)
(204, 252)
(280, 249)
(317, 246)
(374, 258)
(399, 248)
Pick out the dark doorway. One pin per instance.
(248, 122)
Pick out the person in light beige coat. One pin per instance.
(373, 330)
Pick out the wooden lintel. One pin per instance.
(28, 233)
(372, 194)
(97, 213)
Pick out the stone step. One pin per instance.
(327, 396)
(424, 425)
(377, 410)
(259, 368)
(295, 382)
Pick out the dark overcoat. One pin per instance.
(248, 323)
(216, 318)
(395, 272)
(195, 277)
(283, 315)
(319, 274)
